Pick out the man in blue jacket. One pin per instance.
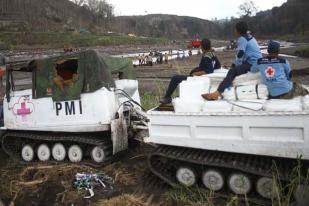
(276, 75)
(248, 52)
(208, 64)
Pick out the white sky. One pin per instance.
(205, 9)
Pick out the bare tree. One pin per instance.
(79, 2)
(248, 8)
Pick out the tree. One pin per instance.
(102, 11)
(79, 2)
(247, 9)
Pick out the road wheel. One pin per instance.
(186, 176)
(213, 180)
(75, 153)
(239, 183)
(27, 153)
(98, 154)
(59, 152)
(264, 186)
(43, 152)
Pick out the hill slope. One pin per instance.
(43, 15)
(170, 26)
(291, 18)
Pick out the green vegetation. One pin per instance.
(150, 100)
(190, 196)
(18, 40)
(283, 192)
(304, 52)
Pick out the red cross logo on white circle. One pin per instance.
(270, 72)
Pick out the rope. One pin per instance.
(244, 107)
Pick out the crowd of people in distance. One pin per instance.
(155, 57)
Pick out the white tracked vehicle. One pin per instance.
(229, 146)
(71, 109)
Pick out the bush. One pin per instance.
(302, 52)
(4, 46)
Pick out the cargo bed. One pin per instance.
(281, 134)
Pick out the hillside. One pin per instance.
(289, 21)
(291, 18)
(63, 15)
(170, 26)
(43, 15)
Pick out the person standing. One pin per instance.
(166, 58)
(139, 60)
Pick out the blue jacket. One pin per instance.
(276, 75)
(248, 50)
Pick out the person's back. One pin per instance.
(248, 44)
(214, 61)
(275, 73)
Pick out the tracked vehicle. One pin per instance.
(230, 149)
(79, 107)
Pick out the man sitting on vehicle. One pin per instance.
(276, 74)
(208, 64)
(247, 56)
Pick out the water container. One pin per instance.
(283, 105)
(217, 106)
(251, 92)
(193, 89)
(187, 106)
(306, 102)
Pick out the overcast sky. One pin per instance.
(205, 9)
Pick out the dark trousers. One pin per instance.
(175, 81)
(232, 74)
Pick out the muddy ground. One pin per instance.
(41, 184)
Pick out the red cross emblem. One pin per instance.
(23, 110)
(270, 72)
(23, 107)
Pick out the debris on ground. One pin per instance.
(90, 181)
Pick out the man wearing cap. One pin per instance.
(276, 74)
(248, 52)
(208, 64)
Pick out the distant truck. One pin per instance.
(194, 44)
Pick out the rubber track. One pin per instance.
(249, 164)
(40, 137)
